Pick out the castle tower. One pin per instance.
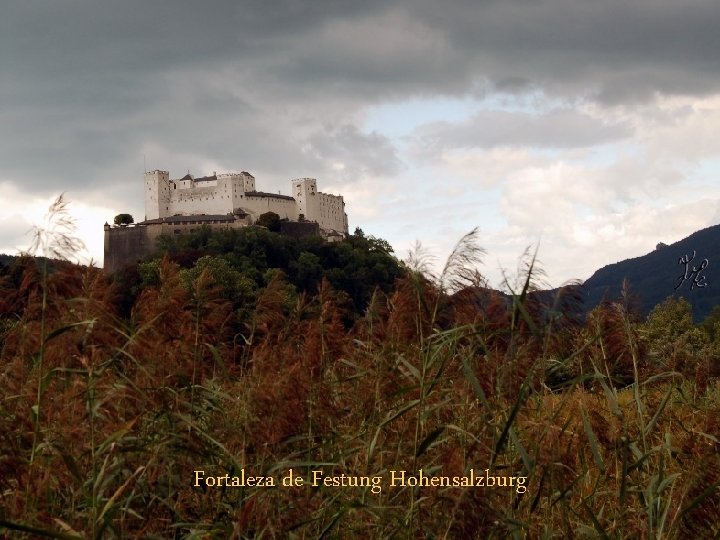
(157, 194)
(306, 194)
(248, 181)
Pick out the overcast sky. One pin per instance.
(589, 126)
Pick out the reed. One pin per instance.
(439, 378)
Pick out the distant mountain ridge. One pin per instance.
(654, 277)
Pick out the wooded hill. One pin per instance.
(362, 261)
(654, 277)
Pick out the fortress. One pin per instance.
(220, 201)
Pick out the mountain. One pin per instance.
(655, 276)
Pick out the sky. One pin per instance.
(588, 129)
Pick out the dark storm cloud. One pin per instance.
(608, 48)
(646, 44)
(86, 86)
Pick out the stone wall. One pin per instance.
(126, 245)
(299, 229)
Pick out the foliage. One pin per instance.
(269, 220)
(234, 286)
(435, 376)
(670, 330)
(123, 219)
(357, 265)
(711, 324)
(5, 260)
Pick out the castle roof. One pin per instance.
(201, 179)
(203, 218)
(269, 195)
(206, 178)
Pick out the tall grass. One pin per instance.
(55, 238)
(442, 376)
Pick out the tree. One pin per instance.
(670, 330)
(711, 324)
(308, 270)
(378, 244)
(123, 220)
(235, 285)
(269, 220)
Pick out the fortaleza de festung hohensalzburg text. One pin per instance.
(393, 479)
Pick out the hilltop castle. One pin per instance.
(220, 201)
(235, 194)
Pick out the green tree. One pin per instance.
(669, 330)
(270, 220)
(309, 271)
(711, 324)
(378, 244)
(358, 265)
(235, 285)
(149, 273)
(123, 219)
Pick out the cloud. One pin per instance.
(353, 154)
(86, 86)
(29, 213)
(497, 128)
(589, 118)
(616, 52)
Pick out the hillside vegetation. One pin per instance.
(657, 275)
(115, 393)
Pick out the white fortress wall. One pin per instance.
(236, 188)
(203, 198)
(257, 204)
(332, 212)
